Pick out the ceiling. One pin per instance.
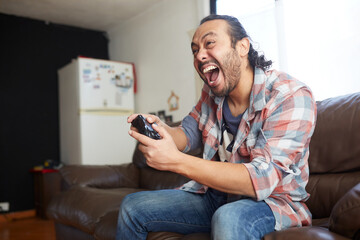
(90, 14)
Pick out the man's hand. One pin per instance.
(176, 133)
(160, 154)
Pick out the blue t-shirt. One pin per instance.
(229, 129)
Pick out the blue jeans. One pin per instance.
(183, 212)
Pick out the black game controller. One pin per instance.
(144, 127)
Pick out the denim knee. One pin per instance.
(129, 205)
(222, 223)
(129, 224)
(245, 219)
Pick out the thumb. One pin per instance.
(161, 130)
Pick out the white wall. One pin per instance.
(158, 42)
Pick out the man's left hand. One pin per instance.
(160, 154)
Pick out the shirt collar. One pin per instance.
(257, 96)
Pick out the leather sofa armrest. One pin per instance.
(304, 233)
(345, 216)
(100, 176)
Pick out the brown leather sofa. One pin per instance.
(87, 208)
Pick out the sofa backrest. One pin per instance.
(99, 176)
(334, 160)
(335, 145)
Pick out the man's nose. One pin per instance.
(202, 55)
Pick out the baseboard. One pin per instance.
(7, 217)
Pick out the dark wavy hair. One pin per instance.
(237, 32)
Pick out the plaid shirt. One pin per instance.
(272, 142)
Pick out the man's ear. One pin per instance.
(243, 46)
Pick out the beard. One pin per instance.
(231, 70)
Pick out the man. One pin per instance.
(255, 127)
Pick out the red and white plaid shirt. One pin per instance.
(272, 142)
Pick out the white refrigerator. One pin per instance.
(95, 99)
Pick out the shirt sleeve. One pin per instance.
(192, 132)
(279, 158)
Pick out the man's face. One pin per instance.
(216, 61)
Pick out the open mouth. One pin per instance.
(211, 73)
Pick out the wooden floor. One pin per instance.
(32, 228)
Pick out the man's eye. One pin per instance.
(209, 43)
(194, 51)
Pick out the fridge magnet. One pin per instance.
(86, 75)
(86, 78)
(123, 81)
(87, 71)
(173, 102)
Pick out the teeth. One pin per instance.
(209, 68)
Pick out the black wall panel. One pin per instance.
(31, 52)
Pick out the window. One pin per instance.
(317, 42)
(242, 7)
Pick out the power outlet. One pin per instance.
(4, 206)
